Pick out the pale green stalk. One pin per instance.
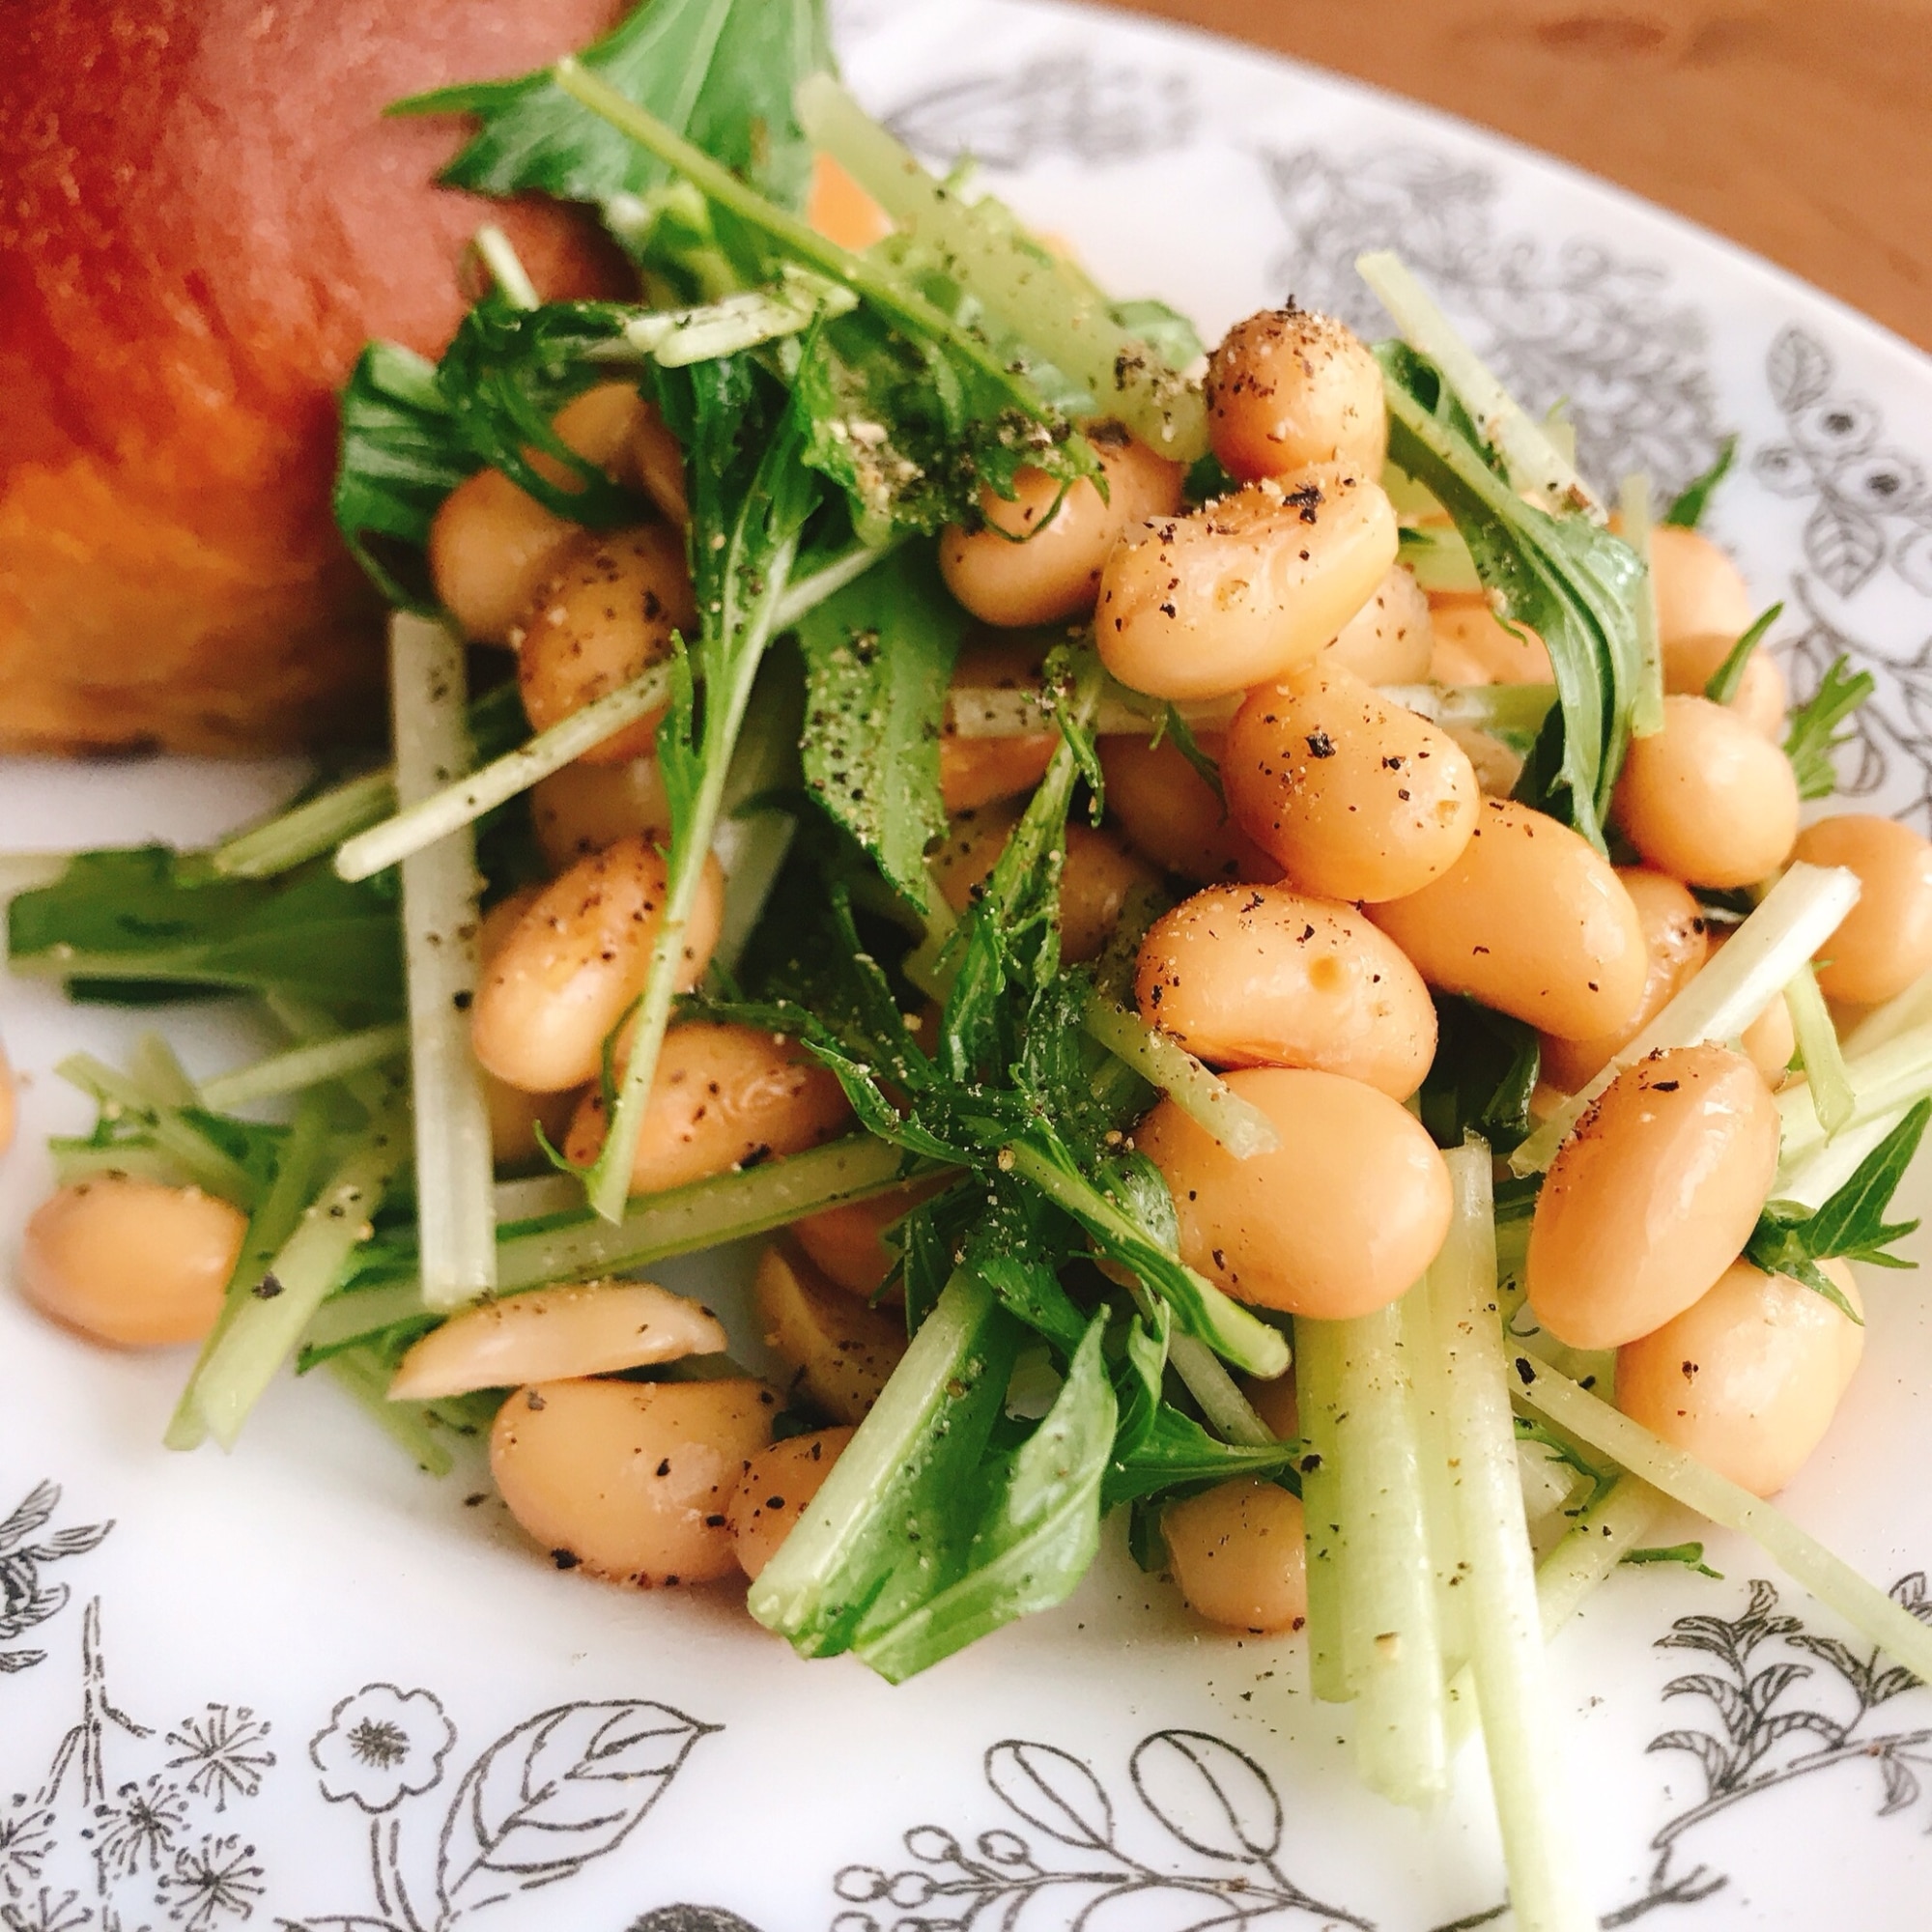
(1911, 1011)
(1763, 956)
(154, 1063)
(1877, 1617)
(1827, 1079)
(506, 267)
(678, 337)
(1320, 1348)
(1647, 698)
(317, 826)
(537, 1197)
(1059, 314)
(450, 807)
(455, 1167)
(1513, 710)
(202, 1163)
(304, 1067)
(1390, 1643)
(1431, 1407)
(1537, 469)
(266, 1326)
(1228, 1412)
(1201, 1094)
(1884, 1081)
(751, 841)
(1496, 1568)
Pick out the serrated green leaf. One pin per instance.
(1813, 734)
(1687, 507)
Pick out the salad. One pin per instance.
(1244, 943)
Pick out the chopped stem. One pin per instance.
(204, 1164)
(448, 808)
(1201, 1094)
(1879, 1618)
(1647, 697)
(1537, 469)
(1506, 710)
(1764, 955)
(537, 1198)
(506, 267)
(266, 1327)
(1883, 1081)
(406, 1423)
(1320, 1348)
(454, 1164)
(1014, 711)
(1496, 1566)
(1060, 315)
(305, 1066)
(1228, 1412)
(1825, 1077)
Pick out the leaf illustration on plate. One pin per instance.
(1798, 369)
(561, 1789)
(1053, 1790)
(1901, 1784)
(1707, 1750)
(1845, 545)
(1910, 1591)
(1213, 1798)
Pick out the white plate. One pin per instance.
(307, 1685)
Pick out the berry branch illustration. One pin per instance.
(1212, 1799)
(25, 1601)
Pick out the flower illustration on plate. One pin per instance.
(26, 1836)
(381, 1743)
(138, 1827)
(48, 1912)
(221, 1753)
(219, 1879)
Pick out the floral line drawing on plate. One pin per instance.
(26, 1602)
(543, 1801)
(1871, 503)
(1572, 322)
(126, 1830)
(1062, 104)
(1211, 1798)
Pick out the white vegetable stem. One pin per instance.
(1647, 700)
(1320, 1348)
(1496, 1568)
(1877, 1617)
(455, 1168)
(1827, 1079)
(1201, 1094)
(448, 806)
(1537, 467)
(1057, 313)
(1764, 955)
(1884, 1081)
(1391, 1649)
(305, 1066)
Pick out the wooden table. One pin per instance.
(1800, 128)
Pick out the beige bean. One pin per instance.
(1653, 1197)
(1690, 663)
(721, 1095)
(1238, 1553)
(1032, 564)
(631, 1481)
(1700, 593)
(848, 1244)
(1707, 799)
(1260, 976)
(502, 919)
(585, 808)
(1172, 814)
(843, 1350)
(601, 425)
(1232, 595)
(1390, 639)
(1276, 1403)
(1102, 871)
(1885, 941)
(604, 616)
(1472, 645)
(516, 1117)
(1675, 943)
(775, 1489)
(132, 1263)
(1358, 798)
(556, 1334)
(657, 459)
(490, 548)
(1748, 1377)
(1337, 1220)
(575, 961)
(1288, 388)
(964, 859)
(10, 1101)
(1531, 921)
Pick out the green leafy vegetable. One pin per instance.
(400, 453)
(1482, 1077)
(133, 924)
(721, 72)
(1568, 580)
(1723, 682)
(877, 659)
(1851, 1224)
(1687, 507)
(1814, 734)
(1691, 1555)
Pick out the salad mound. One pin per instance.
(1241, 941)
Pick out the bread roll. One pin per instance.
(204, 217)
